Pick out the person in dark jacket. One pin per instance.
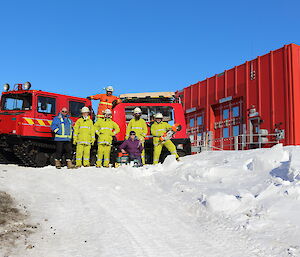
(62, 127)
(133, 147)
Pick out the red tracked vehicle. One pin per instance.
(25, 119)
(150, 104)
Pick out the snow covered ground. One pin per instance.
(228, 204)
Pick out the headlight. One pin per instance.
(6, 87)
(27, 85)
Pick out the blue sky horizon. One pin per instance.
(79, 47)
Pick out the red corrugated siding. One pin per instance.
(275, 91)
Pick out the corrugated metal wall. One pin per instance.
(269, 84)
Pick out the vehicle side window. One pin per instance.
(46, 104)
(75, 108)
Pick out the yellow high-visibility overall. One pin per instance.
(157, 130)
(84, 138)
(105, 129)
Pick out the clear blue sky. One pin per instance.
(78, 47)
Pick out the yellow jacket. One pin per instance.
(106, 129)
(138, 126)
(84, 131)
(158, 129)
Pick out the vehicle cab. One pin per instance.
(150, 104)
(29, 113)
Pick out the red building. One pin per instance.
(251, 105)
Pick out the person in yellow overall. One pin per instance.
(158, 128)
(139, 126)
(84, 138)
(105, 129)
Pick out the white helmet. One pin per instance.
(137, 110)
(107, 112)
(85, 109)
(109, 88)
(158, 116)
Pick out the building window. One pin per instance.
(199, 120)
(235, 111)
(192, 122)
(225, 132)
(225, 114)
(236, 130)
(199, 136)
(75, 108)
(192, 138)
(46, 104)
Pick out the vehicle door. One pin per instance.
(45, 112)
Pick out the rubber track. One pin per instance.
(22, 152)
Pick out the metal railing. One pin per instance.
(240, 142)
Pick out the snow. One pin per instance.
(220, 203)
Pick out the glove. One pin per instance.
(89, 98)
(114, 103)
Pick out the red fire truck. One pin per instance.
(25, 119)
(150, 104)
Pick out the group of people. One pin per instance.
(83, 134)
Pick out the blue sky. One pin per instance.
(78, 47)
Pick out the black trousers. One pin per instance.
(63, 145)
(138, 158)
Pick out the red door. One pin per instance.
(228, 125)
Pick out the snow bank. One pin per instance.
(202, 204)
(257, 190)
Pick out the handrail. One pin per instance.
(239, 142)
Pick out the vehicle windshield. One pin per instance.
(148, 113)
(14, 102)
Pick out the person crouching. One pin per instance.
(133, 147)
(84, 138)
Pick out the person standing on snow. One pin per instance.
(107, 101)
(133, 147)
(105, 129)
(139, 126)
(84, 138)
(158, 129)
(62, 127)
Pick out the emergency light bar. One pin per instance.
(153, 97)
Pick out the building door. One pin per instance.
(228, 125)
(195, 128)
